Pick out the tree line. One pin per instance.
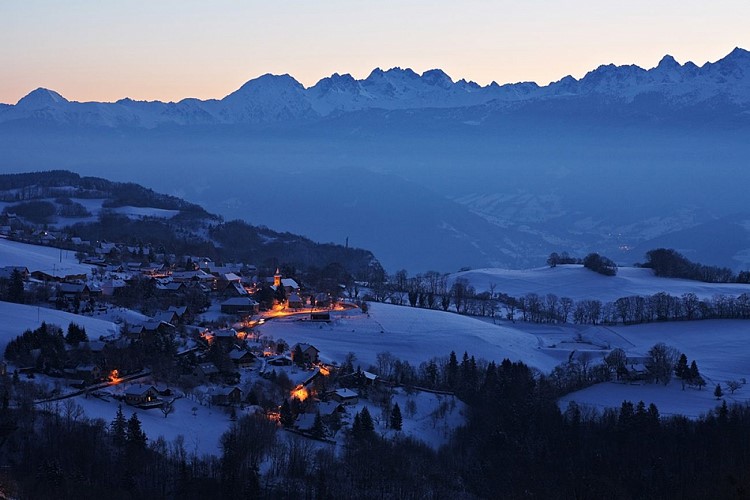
(517, 442)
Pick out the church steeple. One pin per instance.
(277, 278)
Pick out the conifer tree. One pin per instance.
(681, 370)
(366, 419)
(718, 392)
(357, 426)
(318, 430)
(135, 436)
(286, 416)
(396, 420)
(118, 427)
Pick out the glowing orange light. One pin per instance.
(114, 375)
(300, 393)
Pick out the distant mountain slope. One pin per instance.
(131, 214)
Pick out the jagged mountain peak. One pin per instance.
(41, 98)
(437, 78)
(668, 62)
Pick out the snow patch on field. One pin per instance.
(579, 283)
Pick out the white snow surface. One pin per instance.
(17, 318)
(410, 334)
(719, 347)
(579, 283)
(40, 258)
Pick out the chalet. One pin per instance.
(134, 331)
(57, 276)
(179, 311)
(280, 361)
(110, 286)
(322, 300)
(239, 305)
(155, 326)
(7, 272)
(225, 335)
(88, 373)
(79, 242)
(242, 358)
(305, 422)
(141, 394)
(634, 369)
(206, 370)
(328, 408)
(194, 276)
(309, 353)
(167, 317)
(72, 291)
(226, 396)
(294, 301)
(170, 287)
(368, 378)
(345, 396)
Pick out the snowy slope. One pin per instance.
(579, 283)
(410, 334)
(39, 258)
(17, 318)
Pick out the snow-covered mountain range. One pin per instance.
(431, 173)
(280, 98)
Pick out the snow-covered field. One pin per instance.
(579, 283)
(17, 318)
(720, 348)
(40, 258)
(201, 432)
(410, 334)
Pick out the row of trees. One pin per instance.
(670, 263)
(431, 291)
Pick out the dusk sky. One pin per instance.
(169, 50)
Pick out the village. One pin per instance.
(189, 330)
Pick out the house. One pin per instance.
(322, 300)
(141, 394)
(227, 335)
(167, 317)
(294, 301)
(227, 396)
(309, 353)
(242, 358)
(239, 305)
(73, 291)
(328, 408)
(7, 272)
(305, 422)
(368, 378)
(110, 286)
(179, 311)
(345, 396)
(134, 331)
(155, 326)
(88, 373)
(280, 361)
(206, 370)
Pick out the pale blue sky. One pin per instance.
(169, 49)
